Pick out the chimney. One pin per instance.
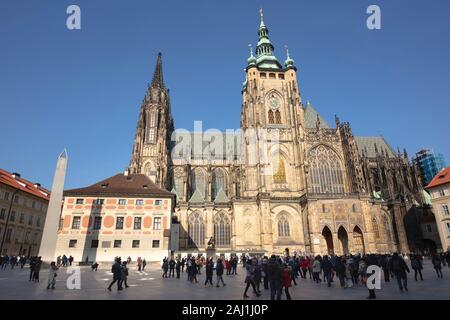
(16, 175)
(126, 172)
(37, 185)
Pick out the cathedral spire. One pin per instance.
(264, 50)
(157, 80)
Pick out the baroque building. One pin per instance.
(286, 179)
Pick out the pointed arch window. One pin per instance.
(388, 228)
(277, 117)
(196, 231)
(178, 182)
(222, 230)
(152, 118)
(325, 173)
(279, 174)
(283, 227)
(271, 117)
(217, 182)
(198, 182)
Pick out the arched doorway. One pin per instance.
(343, 240)
(358, 241)
(327, 241)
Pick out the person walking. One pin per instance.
(172, 268)
(274, 273)
(32, 265)
(399, 268)
(370, 261)
(124, 275)
(437, 264)
(219, 272)
(316, 268)
(52, 275)
(178, 267)
(37, 269)
(340, 271)
(227, 266)
(183, 263)
(139, 263)
(264, 272)
(71, 260)
(116, 270)
(416, 265)
(234, 263)
(209, 271)
(327, 268)
(286, 280)
(250, 277)
(165, 267)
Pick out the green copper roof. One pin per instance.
(369, 143)
(264, 50)
(311, 118)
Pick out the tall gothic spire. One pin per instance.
(157, 80)
(264, 50)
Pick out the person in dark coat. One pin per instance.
(219, 272)
(274, 272)
(165, 267)
(399, 268)
(172, 264)
(340, 271)
(370, 261)
(327, 268)
(416, 265)
(183, 263)
(32, 265)
(250, 269)
(264, 273)
(37, 269)
(209, 271)
(437, 264)
(117, 275)
(178, 267)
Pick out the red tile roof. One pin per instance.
(23, 185)
(118, 185)
(441, 178)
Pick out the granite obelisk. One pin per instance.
(50, 233)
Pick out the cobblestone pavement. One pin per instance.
(14, 284)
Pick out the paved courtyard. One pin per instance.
(14, 284)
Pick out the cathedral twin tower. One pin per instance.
(291, 181)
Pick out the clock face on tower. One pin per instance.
(273, 103)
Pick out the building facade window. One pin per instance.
(117, 243)
(8, 235)
(30, 220)
(79, 201)
(122, 202)
(442, 192)
(158, 202)
(217, 182)
(22, 218)
(136, 244)
(283, 227)
(445, 210)
(2, 213)
(139, 202)
(119, 223)
(222, 230)
(279, 175)
(97, 223)
(448, 228)
(198, 182)
(155, 244)
(12, 217)
(137, 223)
(94, 244)
(33, 204)
(325, 173)
(99, 202)
(38, 222)
(157, 223)
(6, 196)
(196, 231)
(375, 228)
(16, 199)
(76, 222)
(72, 243)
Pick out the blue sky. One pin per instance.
(82, 89)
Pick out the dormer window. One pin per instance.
(272, 76)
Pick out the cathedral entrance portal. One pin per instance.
(343, 240)
(327, 241)
(358, 241)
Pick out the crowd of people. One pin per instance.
(275, 273)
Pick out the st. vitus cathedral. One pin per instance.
(321, 190)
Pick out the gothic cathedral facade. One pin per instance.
(287, 179)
